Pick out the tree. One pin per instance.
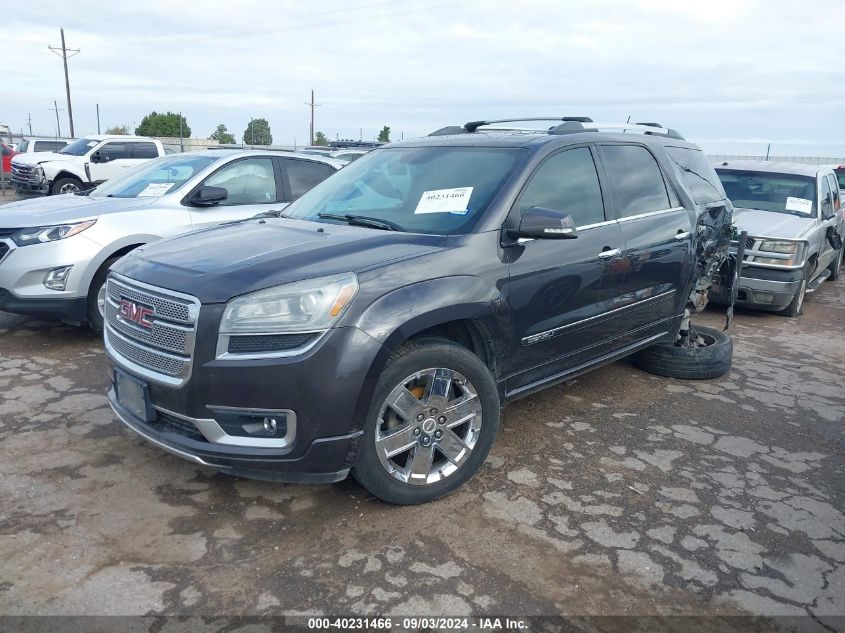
(258, 133)
(122, 130)
(384, 135)
(160, 124)
(320, 139)
(222, 135)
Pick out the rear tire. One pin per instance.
(65, 185)
(689, 363)
(96, 297)
(415, 447)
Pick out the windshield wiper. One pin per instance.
(362, 220)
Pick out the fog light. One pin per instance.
(56, 279)
(245, 423)
(764, 297)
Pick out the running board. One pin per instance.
(818, 281)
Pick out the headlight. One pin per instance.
(39, 234)
(779, 247)
(303, 306)
(784, 247)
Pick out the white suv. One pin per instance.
(55, 252)
(81, 164)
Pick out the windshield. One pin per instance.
(79, 147)
(438, 190)
(155, 177)
(782, 193)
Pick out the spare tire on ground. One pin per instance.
(689, 363)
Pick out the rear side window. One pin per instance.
(697, 174)
(143, 150)
(637, 179)
(22, 146)
(48, 146)
(304, 175)
(567, 182)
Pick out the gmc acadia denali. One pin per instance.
(379, 323)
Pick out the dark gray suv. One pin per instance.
(380, 323)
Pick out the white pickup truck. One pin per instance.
(82, 164)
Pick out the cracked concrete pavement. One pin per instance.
(619, 493)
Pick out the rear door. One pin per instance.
(253, 184)
(657, 232)
(562, 292)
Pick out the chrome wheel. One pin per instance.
(428, 426)
(69, 187)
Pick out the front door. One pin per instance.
(115, 159)
(657, 232)
(560, 290)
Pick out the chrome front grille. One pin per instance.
(23, 172)
(163, 351)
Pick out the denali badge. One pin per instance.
(139, 314)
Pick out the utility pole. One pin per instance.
(64, 55)
(29, 122)
(181, 138)
(98, 118)
(56, 108)
(312, 105)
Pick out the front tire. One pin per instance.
(689, 363)
(836, 265)
(65, 185)
(433, 418)
(97, 297)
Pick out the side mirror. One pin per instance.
(207, 196)
(541, 223)
(97, 157)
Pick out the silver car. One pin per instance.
(794, 230)
(55, 252)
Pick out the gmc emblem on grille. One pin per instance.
(139, 314)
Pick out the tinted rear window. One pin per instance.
(697, 174)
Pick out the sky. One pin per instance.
(732, 75)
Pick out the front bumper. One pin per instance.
(28, 179)
(22, 272)
(328, 387)
(762, 289)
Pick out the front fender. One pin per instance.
(402, 313)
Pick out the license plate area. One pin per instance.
(133, 395)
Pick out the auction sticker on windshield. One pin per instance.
(801, 205)
(445, 201)
(155, 189)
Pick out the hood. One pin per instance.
(219, 263)
(772, 224)
(34, 158)
(62, 209)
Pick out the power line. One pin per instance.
(313, 105)
(64, 55)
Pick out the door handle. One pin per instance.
(682, 235)
(609, 253)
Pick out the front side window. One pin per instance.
(827, 198)
(637, 179)
(304, 175)
(435, 190)
(114, 151)
(567, 182)
(834, 190)
(156, 178)
(248, 181)
(767, 191)
(80, 147)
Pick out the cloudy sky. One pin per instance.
(729, 74)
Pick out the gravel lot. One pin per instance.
(620, 493)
